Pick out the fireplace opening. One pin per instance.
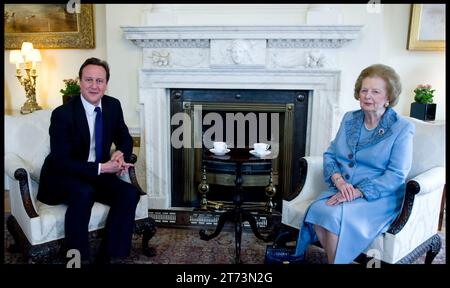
(239, 117)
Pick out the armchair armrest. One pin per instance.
(423, 183)
(311, 179)
(132, 174)
(17, 168)
(428, 181)
(310, 185)
(14, 162)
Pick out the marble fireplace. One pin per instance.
(300, 57)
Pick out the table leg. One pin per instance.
(246, 216)
(238, 193)
(228, 215)
(238, 211)
(238, 237)
(237, 215)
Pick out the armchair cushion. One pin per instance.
(52, 221)
(294, 213)
(27, 136)
(429, 146)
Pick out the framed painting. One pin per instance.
(427, 27)
(49, 26)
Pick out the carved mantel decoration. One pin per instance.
(234, 57)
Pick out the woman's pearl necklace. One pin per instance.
(368, 128)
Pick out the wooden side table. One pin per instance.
(237, 214)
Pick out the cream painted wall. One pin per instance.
(124, 58)
(415, 67)
(382, 40)
(56, 65)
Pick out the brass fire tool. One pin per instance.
(203, 189)
(270, 192)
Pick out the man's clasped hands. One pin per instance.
(116, 164)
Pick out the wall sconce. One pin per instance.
(27, 58)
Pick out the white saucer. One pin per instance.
(219, 153)
(266, 152)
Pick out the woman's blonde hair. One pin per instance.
(393, 85)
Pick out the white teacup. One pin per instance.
(260, 148)
(220, 146)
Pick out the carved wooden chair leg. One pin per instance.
(46, 253)
(14, 247)
(43, 253)
(146, 228)
(435, 246)
(36, 256)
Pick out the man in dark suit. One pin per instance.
(80, 170)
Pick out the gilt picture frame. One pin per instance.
(427, 27)
(49, 26)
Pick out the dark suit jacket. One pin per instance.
(69, 144)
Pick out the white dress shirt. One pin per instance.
(90, 116)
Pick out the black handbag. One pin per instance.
(281, 255)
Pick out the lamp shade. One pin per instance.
(34, 56)
(27, 47)
(15, 57)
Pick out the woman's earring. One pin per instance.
(386, 104)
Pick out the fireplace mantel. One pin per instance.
(305, 36)
(301, 57)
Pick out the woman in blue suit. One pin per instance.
(366, 167)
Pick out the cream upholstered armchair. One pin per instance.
(37, 228)
(414, 232)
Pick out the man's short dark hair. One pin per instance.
(95, 61)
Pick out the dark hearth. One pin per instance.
(260, 106)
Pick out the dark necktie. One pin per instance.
(98, 133)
